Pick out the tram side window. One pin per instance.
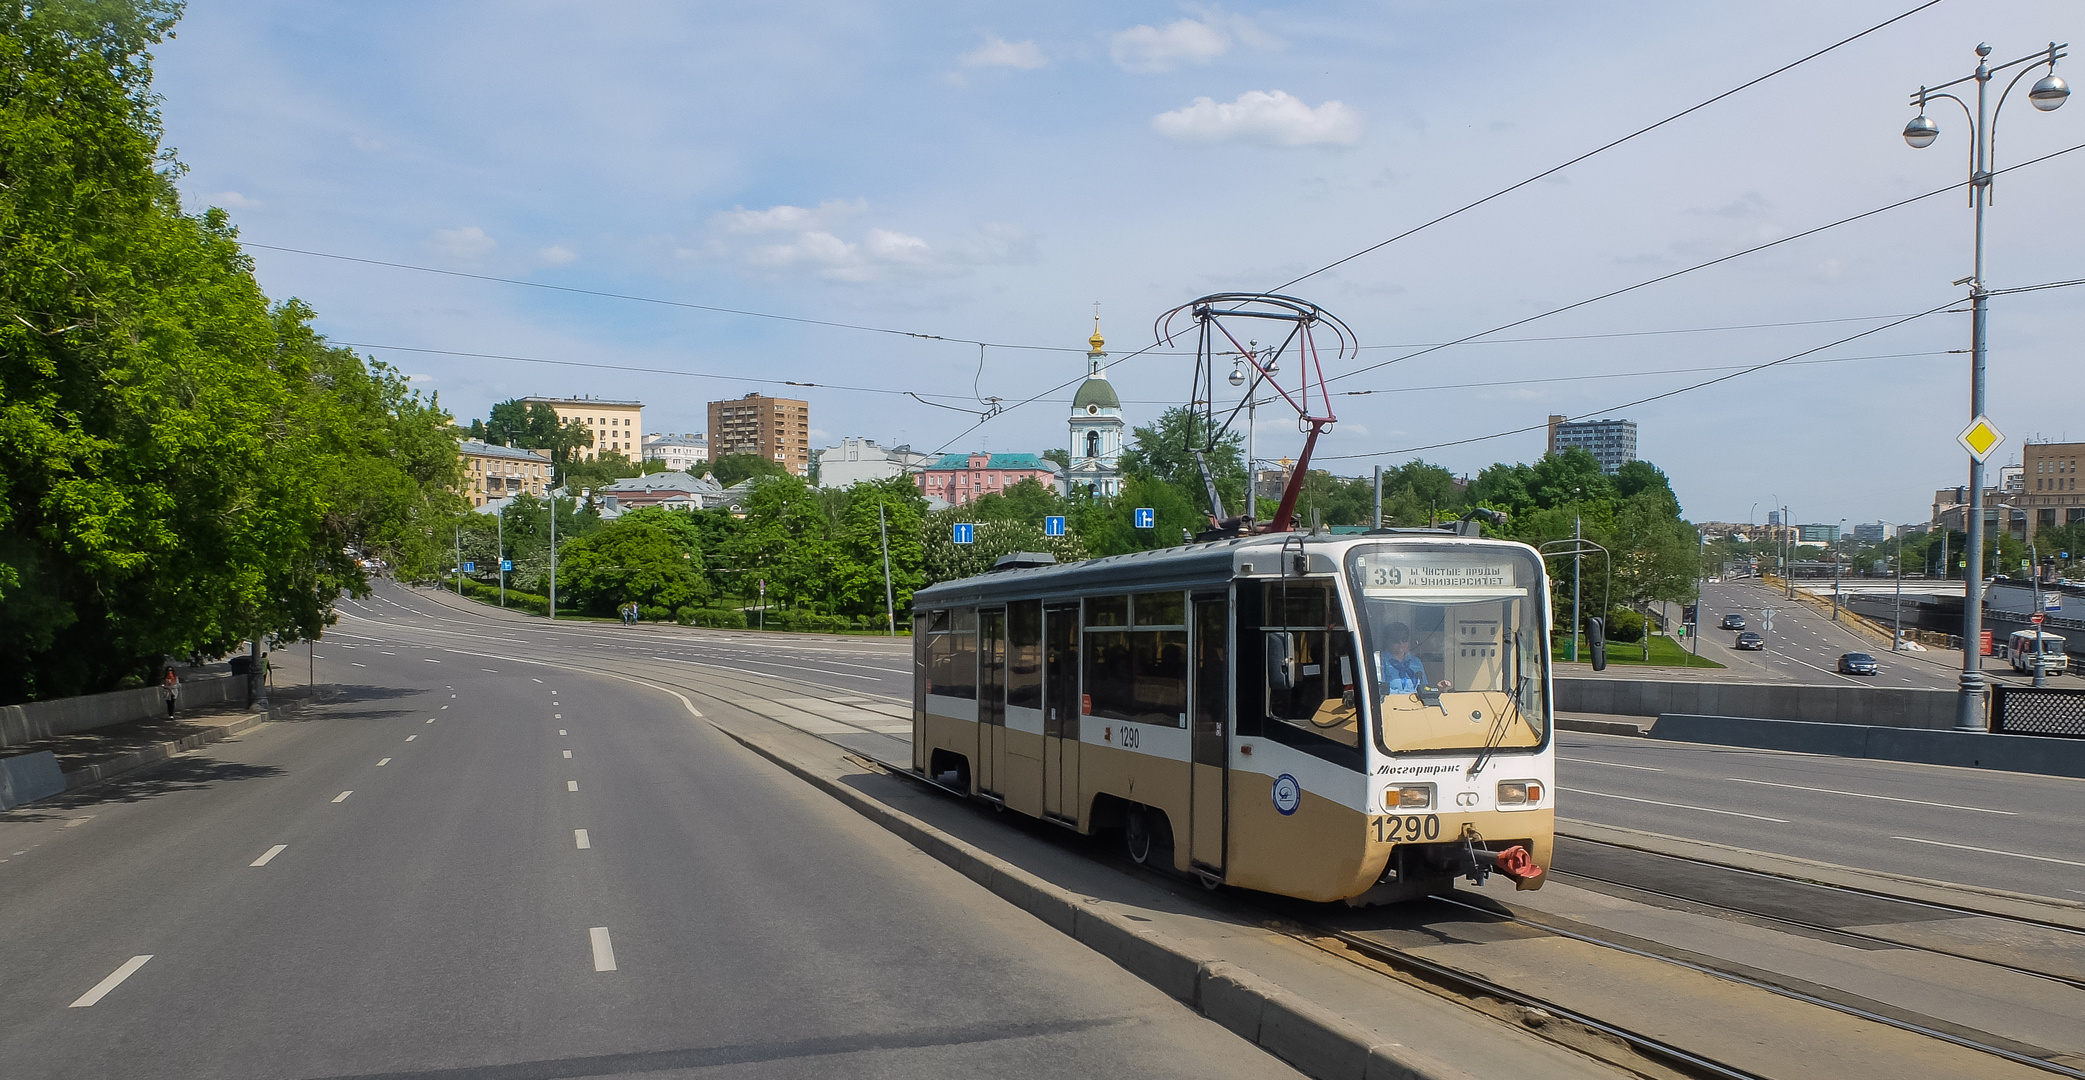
(1137, 674)
(1311, 651)
(1024, 654)
(952, 653)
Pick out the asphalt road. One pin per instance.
(476, 866)
(2006, 830)
(1805, 644)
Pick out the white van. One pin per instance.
(2025, 645)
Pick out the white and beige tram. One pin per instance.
(1354, 718)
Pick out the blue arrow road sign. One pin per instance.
(1053, 526)
(1147, 518)
(470, 568)
(963, 533)
(507, 565)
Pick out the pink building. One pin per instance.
(958, 478)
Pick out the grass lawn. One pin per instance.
(1665, 652)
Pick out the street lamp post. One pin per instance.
(2047, 94)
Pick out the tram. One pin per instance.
(1353, 717)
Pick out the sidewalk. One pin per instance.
(89, 757)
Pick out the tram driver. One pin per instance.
(1400, 670)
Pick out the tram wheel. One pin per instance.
(1137, 835)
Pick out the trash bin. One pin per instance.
(242, 664)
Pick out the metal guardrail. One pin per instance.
(2026, 710)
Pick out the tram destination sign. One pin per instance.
(1407, 573)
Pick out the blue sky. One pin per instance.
(990, 171)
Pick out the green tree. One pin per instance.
(946, 560)
(730, 469)
(642, 557)
(1165, 451)
(858, 571)
(1108, 527)
(598, 471)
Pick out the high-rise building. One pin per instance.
(1873, 532)
(1773, 517)
(778, 429)
(617, 426)
(1096, 427)
(2049, 485)
(1611, 442)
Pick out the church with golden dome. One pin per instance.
(1096, 427)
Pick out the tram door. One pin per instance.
(991, 699)
(1061, 711)
(1211, 712)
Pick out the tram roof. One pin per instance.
(1174, 567)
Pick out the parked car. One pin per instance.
(1733, 622)
(1857, 663)
(1751, 641)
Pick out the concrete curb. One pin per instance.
(2052, 911)
(1316, 1041)
(1601, 727)
(158, 752)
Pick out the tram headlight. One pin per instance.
(1408, 797)
(1520, 792)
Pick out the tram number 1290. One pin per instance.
(1412, 827)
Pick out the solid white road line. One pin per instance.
(342, 797)
(1616, 764)
(115, 979)
(571, 785)
(1676, 806)
(579, 837)
(1861, 795)
(604, 954)
(381, 762)
(568, 753)
(1989, 851)
(269, 854)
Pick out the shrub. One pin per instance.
(1624, 625)
(716, 618)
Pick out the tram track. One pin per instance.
(1545, 1017)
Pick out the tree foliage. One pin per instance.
(182, 465)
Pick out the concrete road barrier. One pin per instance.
(1878, 706)
(29, 777)
(20, 724)
(1966, 749)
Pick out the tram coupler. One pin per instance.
(1515, 863)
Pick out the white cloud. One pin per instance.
(232, 200)
(468, 244)
(557, 254)
(790, 218)
(875, 254)
(1270, 117)
(1150, 48)
(998, 52)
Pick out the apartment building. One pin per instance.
(681, 453)
(617, 426)
(496, 472)
(1611, 442)
(2049, 485)
(778, 429)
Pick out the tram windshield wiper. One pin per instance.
(1503, 721)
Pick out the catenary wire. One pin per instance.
(641, 370)
(1603, 148)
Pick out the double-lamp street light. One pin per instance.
(2047, 94)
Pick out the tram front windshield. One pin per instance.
(1452, 640)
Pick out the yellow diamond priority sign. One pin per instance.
(1980, 438)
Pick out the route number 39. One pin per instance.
(1412, 827)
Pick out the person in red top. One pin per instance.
(170, 689)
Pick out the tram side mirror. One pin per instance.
(1281, 660)
(1596, 642)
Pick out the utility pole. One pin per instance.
(553, 554)
(501, 518)
(1897, 642)
(1577, 563)
(2041, 677)
(459, 560)
(890, 603)
(1378, 519)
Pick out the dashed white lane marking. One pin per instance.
(430, 719)
(495, 671)
(533, 679)
(571, 785)
(1989, 851)
(1861, 795)
(445, 706)
(1616, 764)
(557, 716)
(269, 854)
(79, 821)
(115, 979)
(561, 731)
(579, 837)
(604, 953)
(568, 753)
(410, 738)
(342, 797)
(1676, 806)
(351, 663)
(381, 762)
(429, 660)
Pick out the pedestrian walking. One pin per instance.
(170, 690)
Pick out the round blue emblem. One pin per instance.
(1288, 794)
